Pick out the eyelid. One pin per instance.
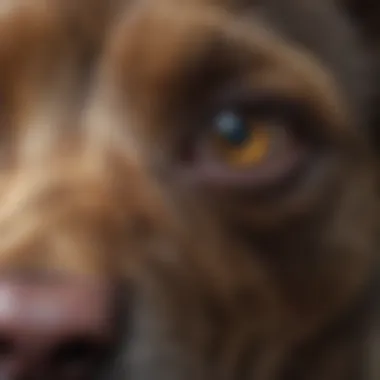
(258, 103)
(290, 111)
(209, 170)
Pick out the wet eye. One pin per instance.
(239, 141)
(258, 145)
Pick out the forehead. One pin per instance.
(53, 52)
(50, 51)
(46, 34)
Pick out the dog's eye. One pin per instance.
(256, 145)
(241, 141)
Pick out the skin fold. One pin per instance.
(109, 171)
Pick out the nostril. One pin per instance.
(76, 356)
(63, 329)
(7, 348)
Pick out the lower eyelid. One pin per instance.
(209, 168)
(212, 178)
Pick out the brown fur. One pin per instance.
(95, 95)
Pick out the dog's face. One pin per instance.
(208, 158)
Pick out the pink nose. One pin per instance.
(55, 330)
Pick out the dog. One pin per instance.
(189, 191)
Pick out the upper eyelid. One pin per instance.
(237, 93)
(257, 103)
(268, 103)
(294, 111)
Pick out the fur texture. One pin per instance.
(97, 97)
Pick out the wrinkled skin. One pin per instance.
(270, 275)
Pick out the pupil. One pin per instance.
(231, 128)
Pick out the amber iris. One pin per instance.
(240, 142)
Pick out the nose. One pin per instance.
(54, 330)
